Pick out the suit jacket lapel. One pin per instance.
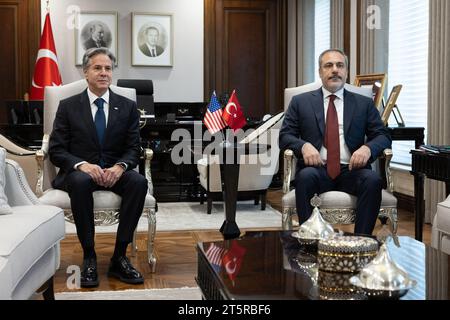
(349, 109)
(113, 114)
(86, 115)
(317, 104)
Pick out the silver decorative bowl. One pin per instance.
(383, 278)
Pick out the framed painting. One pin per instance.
(377, 82)
(95, 29)
(391, 106)
(152, 39)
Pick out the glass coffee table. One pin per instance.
(271, 265)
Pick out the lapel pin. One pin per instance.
(116, 108)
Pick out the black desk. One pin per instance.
(415, 134)
(434, 166)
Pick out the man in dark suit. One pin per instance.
(96, 143)
(335, 135)
(150, 47)
(96, 39)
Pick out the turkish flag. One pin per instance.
(232, 260)
(232, 113)
(46, 71)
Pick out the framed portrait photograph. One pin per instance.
(375, 81)
(95, 29)
(152, 39)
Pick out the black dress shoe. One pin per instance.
(122, 269)
(89, 276)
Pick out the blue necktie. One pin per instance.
(100, 123)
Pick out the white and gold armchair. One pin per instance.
(337, 207)
(106, 203)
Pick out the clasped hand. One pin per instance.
(103, 177)
(358, 160)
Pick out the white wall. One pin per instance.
(181, 82)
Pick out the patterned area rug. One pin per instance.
(147, 294)
(193, 216)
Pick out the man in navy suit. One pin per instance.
(335, 135)
(96, 143)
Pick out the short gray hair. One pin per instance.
(333, 50)
(92, 52)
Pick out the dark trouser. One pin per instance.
(365, 184)
(132, 187)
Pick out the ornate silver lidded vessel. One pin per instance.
(383, 278)
(346, 253)
(315, 228)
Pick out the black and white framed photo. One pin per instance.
(152, 39)
(95, 29)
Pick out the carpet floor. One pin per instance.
(193, 216)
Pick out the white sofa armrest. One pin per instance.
(17, 189)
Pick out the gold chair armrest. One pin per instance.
(41, 155)
(287, 170)
(387, 155)
(148, 156)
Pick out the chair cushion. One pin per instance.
(443, 216)
(339, 200)
(4, 206)
(102, 199)
(27, 234)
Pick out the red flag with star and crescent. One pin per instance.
(46, 70)
(232, 114)
(232, 260)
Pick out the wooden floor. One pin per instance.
(175, 252)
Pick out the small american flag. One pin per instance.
(215, 255)
(213, 116)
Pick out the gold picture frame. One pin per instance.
(391, 103)
(377, 82)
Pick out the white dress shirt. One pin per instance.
(94, 108)
(339, 104)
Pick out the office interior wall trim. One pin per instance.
(181, 82)
(337, 24)
(438, 131)
(291, 45)
(374, 40)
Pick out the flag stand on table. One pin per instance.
(46, 70)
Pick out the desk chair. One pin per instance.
(255, 176)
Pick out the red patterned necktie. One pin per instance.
(332, 140)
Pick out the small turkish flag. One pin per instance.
(232, 260)
(232, 113)
(46, 71)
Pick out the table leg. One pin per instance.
(230, 176)
(419, 205)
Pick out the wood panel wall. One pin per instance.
(245, 50)
(19, 38)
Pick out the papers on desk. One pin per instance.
(435, 148)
